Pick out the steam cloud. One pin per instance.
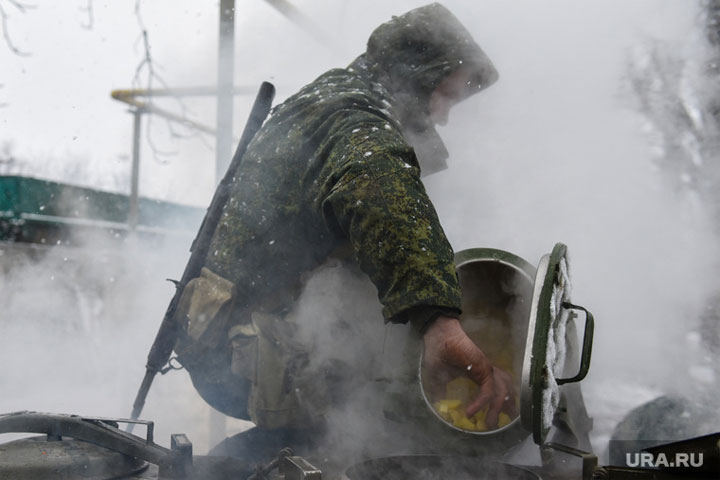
(550, 153)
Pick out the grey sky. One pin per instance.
(59, 112)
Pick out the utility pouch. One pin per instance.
(283, 393)
(244, 342)
(203, 312)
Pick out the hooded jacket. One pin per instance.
(333, 165)
(333, 168)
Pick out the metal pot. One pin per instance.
(518, 316)
(497, 289)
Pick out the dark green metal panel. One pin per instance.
(28, 204)
(8, 195)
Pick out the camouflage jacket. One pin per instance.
(332, 166)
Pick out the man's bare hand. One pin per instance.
(449, 352)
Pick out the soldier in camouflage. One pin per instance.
(336, 168)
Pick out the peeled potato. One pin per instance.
(503, 419)
(461, 388)
(479, 419)
(448, 404)
(464, 423)
(459, 393)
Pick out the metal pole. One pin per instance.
(226, 68)
(223, 141)
(134, 210)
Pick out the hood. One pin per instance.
(410, 56)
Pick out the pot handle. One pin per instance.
(587, 345)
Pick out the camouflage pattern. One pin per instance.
(292, 211)
(332, 165)
(332, 170)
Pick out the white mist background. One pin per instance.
(552, 152)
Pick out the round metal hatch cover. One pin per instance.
(39, 459)
(545, 349)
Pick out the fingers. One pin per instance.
(510, 406)
(497, 394)
(481, 371)
(491, 397)
(496, 403)
(450, 353)
(478, 404)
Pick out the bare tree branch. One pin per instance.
(22, 8)
(91, 17)
(150, 68)
(147, 64)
